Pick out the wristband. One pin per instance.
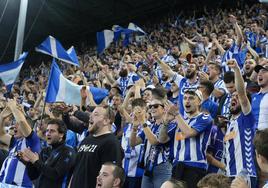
(144, 125)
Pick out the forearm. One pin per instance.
(238, 33)
(165, 68)
(239, 82)
(110, 78)
(163, 134)
(253, 53)
(23, 124)
(218, 93)
(217, 163)
(185, 128)
(54, 172)
(150, 136)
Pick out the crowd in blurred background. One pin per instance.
(187, 107)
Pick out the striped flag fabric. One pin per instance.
(53, 47)
(60, 89)
(10, 71)
(136, 28)
(104, 39)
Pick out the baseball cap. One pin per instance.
(259, 67)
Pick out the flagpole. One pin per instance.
(21, 28)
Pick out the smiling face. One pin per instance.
(156, 109)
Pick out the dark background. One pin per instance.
(74, 21)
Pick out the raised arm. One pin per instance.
(164, 67)
(240, 87)
(4, 137)
(238, 30)
(24, 127)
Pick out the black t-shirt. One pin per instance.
(92, 153)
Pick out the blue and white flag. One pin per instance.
(71, 52)
(10, 71)
(104, 39)
(60, 89)
(53, 47)
(136, 28)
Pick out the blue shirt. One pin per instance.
(183, 84)
(260, 109)
(156, 154)
(215, 147)
(210, 106)
(192, 150)
(14, 171)
(238, 141)
(232, 52)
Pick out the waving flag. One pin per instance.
(104, 39)
(71, 52)
(136, 28)
(53, 47)
(10, 71)
(60, 89)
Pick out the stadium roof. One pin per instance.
(70, 21)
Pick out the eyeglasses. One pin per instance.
(155, 105)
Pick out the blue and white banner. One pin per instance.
(104, 39)
(136, 28)
(60, 89)
(10, 71)
(53, 47)
(71, 52)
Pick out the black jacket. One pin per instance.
(53, 167)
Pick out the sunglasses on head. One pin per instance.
(155, 105)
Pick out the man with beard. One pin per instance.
(189, 81)
(214, 71)
(260, 99)
(127, 77)
(189, 138)
(99, 147)
(238, 140)
(248, 69)
(231, 48)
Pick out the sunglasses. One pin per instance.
(155, 106)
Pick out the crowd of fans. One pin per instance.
(187, 107)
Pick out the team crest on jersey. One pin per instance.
(180, 136)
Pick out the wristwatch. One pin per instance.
(144, 125)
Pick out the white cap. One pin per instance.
(199, 94)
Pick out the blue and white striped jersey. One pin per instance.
(156, 154)
(238, 144)
(219, 84)
(183, 83)
(133, 155)
(233, 52)
(225, 111)
(169, 59)
(260, 109)
(192, 150)
(13, 171)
